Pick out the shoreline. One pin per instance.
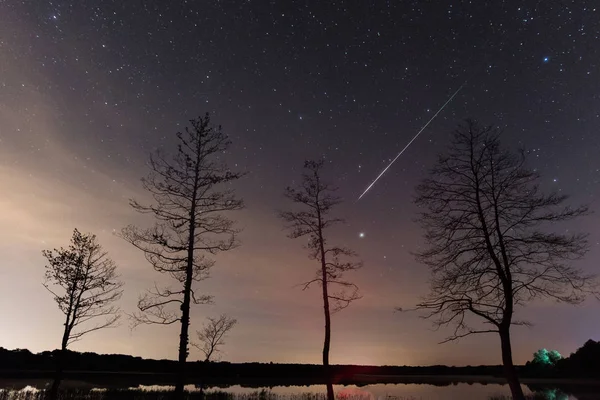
(120, 380)
(404, 379)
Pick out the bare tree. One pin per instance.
(85, 285)
(212, 335)
(191, 192)
(316, 200)
(486, 222)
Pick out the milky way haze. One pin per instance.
(89, 88)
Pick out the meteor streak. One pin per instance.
(409, 143)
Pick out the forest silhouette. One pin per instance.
(583, 363)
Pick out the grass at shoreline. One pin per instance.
(140, 394)
(135, 394)
(118, 381)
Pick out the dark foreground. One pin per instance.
(78, 394)
(364, 388)
(126, 380)
(120, 394)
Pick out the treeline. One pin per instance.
(23, 362)
(584, 363)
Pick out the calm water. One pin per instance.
(397, 391)
(457, 391)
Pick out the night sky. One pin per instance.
(89, 88)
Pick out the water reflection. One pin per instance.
(452, 391)
(347, 393)
(554, 394)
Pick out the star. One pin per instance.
(361, 235)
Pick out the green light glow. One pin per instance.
(545, 357)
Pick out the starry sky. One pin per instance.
(89, 88)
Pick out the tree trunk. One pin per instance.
(509, 369)
(184, 338)
(330, 394)
(187, 294)
(58, 375)
(204, 372)
(327, 342)
(60, 363)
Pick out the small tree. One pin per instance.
(85, 286)
(315, 200)
(212, 336)
(541, 357)
(485, 219)
(191, 192)
(546, 358)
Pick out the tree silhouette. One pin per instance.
(585, 362)
(85, 286)
(485, 219)
(212, 335)
(316, 200)
(191, 192)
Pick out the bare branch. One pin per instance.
(212, 335)
(465, 334)
(485, 218)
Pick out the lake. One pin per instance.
(376, 391)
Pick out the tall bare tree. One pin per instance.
(191, 192)
(489, 249)
(316, 199)
(85, 286)
(212, 335)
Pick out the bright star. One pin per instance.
(546, 59)
(361, 235)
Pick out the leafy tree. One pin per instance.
(488, 248)
(85, 286)
(316, 200)
(541, 357)
(554, 356)
(212, 335)
(191, 193)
